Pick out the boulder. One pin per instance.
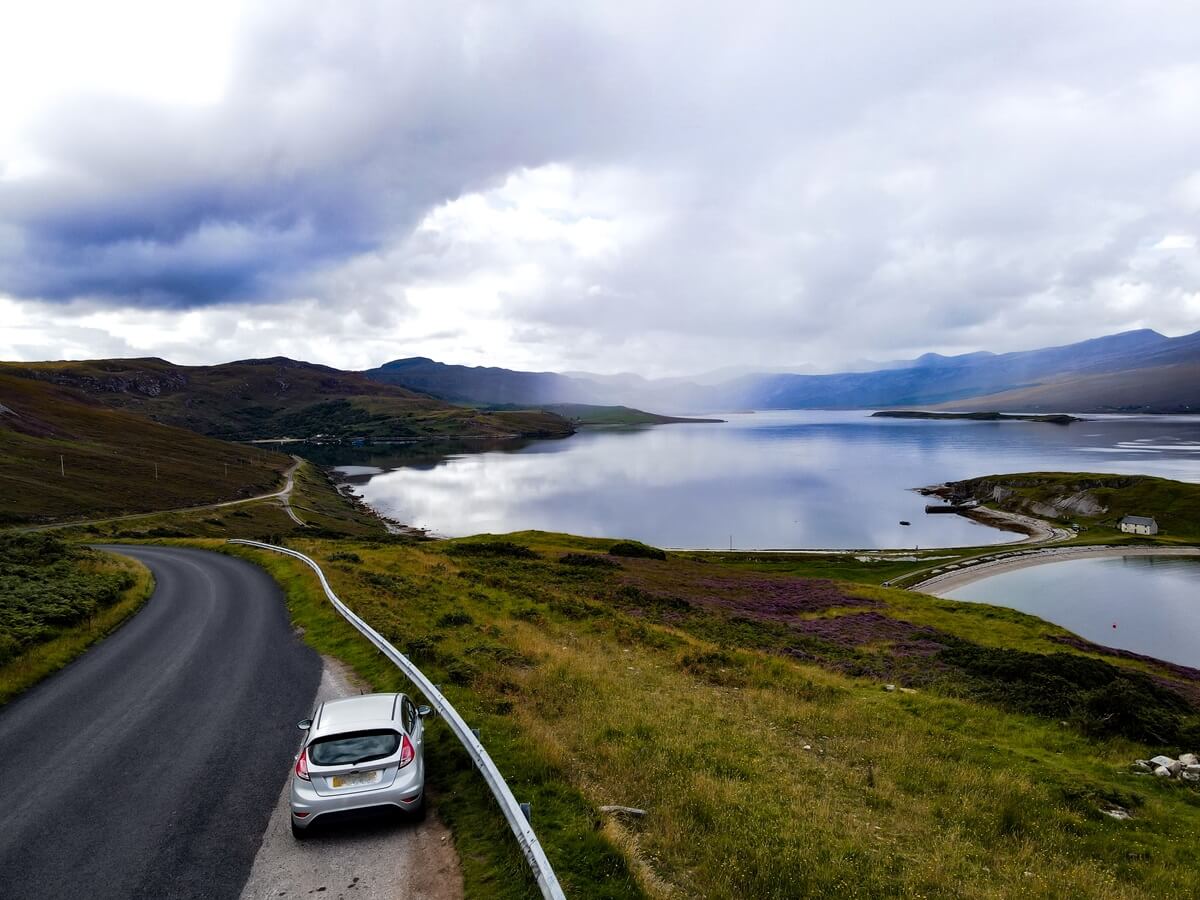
(889, 687)
(1161, 772)
(1161, 760)
(1189, 759)
(1143, 765)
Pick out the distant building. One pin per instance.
(1138, 525)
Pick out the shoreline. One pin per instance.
(939, 585)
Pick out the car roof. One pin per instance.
(364, 711)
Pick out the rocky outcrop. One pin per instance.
(147, 384)
(1186, 768)
(1074, 502)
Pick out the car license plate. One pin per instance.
(354, 779)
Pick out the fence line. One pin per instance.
(521, 828)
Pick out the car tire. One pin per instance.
(300, 834)
(417, 813)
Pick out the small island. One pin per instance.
(1053, 419)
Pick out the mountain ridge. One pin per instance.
(930, 379)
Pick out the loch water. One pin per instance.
(775, 479)
(1146, 604)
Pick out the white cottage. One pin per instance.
(1138, 525)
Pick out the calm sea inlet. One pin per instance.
(1146, 604)
(790, 479)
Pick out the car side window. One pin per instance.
(408, 714)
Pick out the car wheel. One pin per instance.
(299, 833)
(417, 813)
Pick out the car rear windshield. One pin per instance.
(355, 747)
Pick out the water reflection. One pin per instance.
(1133, 602)
(778, 479)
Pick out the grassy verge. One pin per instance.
(56, 645)
(745, 712)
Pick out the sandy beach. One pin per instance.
(945, 582)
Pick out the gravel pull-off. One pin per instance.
(378, 859)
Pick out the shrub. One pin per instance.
(1103, 699)
(589, 559)
(345, 556)
(46, 586)
(492, 548)
(636, 549)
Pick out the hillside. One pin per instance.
(278, 398)
(485, 385)
(1159, 389)
(64, 455)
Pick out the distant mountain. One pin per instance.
(1154, 389)
(277, 398)
(480, 385)
(933, 379)
(1135, 370)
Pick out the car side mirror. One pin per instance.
(425, 711)
(304, 724)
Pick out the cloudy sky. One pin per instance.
(657, 187)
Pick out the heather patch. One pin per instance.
(1186, 680)
(861, 629)
(755, 596)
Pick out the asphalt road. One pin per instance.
(150, 766)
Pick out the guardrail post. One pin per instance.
(527, 812)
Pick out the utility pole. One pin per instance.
(62, 466)
(731, 542)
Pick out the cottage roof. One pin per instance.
(1138, 520)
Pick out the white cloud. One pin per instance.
(600, 186)
(1176, 242)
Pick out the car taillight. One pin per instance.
(407, 753)
(302, 765)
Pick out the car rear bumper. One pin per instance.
(405, 793)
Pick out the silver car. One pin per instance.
(359, 753)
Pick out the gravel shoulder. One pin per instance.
(379, 859)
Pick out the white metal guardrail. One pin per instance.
(521, 828)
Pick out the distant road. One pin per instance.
(283, 495)
(149, 767)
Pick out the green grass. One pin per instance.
(57, 601)
(691, 688)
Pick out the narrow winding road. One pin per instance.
(283, 495)
(150, 767)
